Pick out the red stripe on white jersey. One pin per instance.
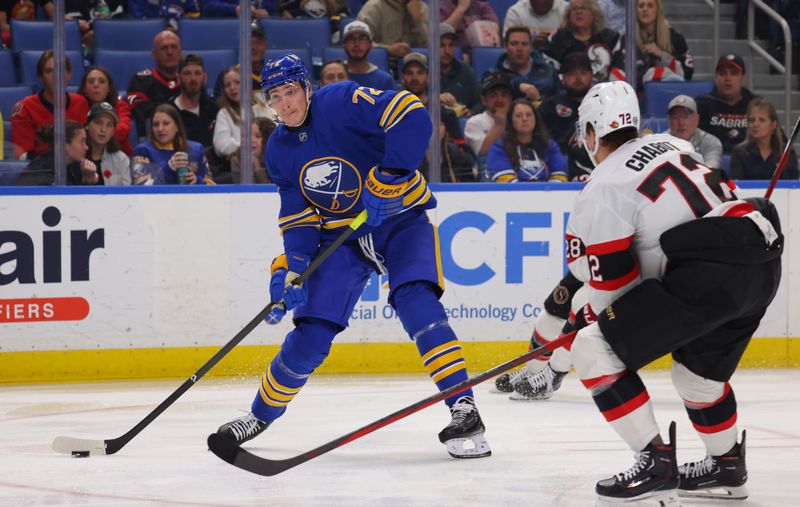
(610, 247)
(611, 285)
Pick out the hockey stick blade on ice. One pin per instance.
(86, 447)
(228, 451)
(783, 159)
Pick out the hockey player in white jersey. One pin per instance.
(674, 263)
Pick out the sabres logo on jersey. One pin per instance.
(331, 184)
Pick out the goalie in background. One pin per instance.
(345, 149)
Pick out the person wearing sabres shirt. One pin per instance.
(345, 149)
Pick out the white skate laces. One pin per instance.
(245, 426)
(698, 468)
(642, 459)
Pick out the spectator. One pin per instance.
(198, 110)
(397, 24)
(531, 75)
(525, 152)
(542, 17)
(111, 164)
(460, 14)
(80, 170)
(584, 29)
(171, 10)
(259, 134)
(312, 8)
(98, 86)
(482, 130)
(85, 12)
(457, 165)
(723, 112)
(333, 72)
(614, 12)
(15, 9)
(662, 51)
(230, 8)
(151, 87)
(460, 90)
(757, 157)
(227, 130)
(168, 157)
(357, 42)
(36, 110)
(559, 113)
(258, 45)
(415, 79)
(683, 122)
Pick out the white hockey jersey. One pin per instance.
(643, 188)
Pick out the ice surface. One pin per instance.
(544, 453)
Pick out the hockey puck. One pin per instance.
(80, 454)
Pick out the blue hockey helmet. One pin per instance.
(285, 69)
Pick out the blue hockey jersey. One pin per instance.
(320, 167)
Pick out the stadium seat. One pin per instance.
(314, 34)
(122, 65)
(303, 53)
(344, 21)
(654, 125)
(127, 34)
(484, 59)
(9, 171)
(30, 35)
(9, 96)
(209, 33)
(215, 61)
(29, 59)
(658, 94)
(355, 6)
(8, 74)
(377, 56)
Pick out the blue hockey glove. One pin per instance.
(284, 270)
(383, 195)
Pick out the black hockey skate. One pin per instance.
(243, 429)
(538, 386)
(505, 383)
(716, 476)
(652, 480)
(466, 425)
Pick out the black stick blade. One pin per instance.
(231, 453)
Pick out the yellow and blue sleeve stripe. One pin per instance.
(444, 360)
(397, 109)
(417, 192)
(306, 218)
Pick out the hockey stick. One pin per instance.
(228, 451)
(782, 161)
(85, 447)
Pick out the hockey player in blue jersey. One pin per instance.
(345, 149)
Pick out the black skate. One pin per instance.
(538, 386)
(465, 426)
(716, 476)
(243, 429)
(652, 480)
(505, 383)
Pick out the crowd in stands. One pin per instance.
(514, 121)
